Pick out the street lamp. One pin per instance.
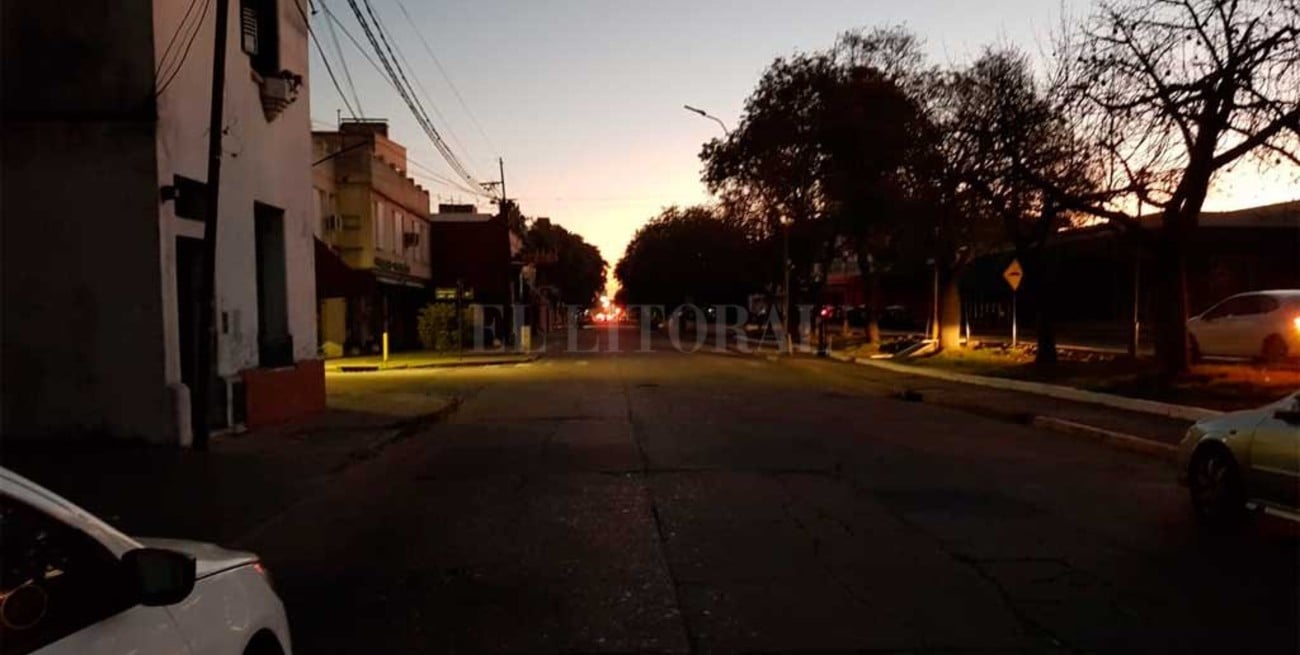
(709, 116)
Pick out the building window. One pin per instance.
(259, 34)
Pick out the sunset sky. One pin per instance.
(583, 98)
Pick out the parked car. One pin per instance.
(72, 584)
(1262, 324)
(1244, 460)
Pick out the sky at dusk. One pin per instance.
(583, 98)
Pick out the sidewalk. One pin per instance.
(1024, 407)
(242, 482)
(1148, 433)
(425, 359)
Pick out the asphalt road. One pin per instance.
(650, 502)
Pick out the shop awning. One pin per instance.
(335, 279)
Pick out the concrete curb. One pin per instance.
(1117, 439)
(1051, 390)
(372, 368)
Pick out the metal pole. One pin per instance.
(785, 301)
(501, 166)
(1136, 337)
(201, 402)
(1013, 318)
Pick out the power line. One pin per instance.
(162, 60)
(428, 97)
(452, 85)
(343, 62)
(355, 43)
(203, 14)
(324, 59)
(433, 174)
(404, 89)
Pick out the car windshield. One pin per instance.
(711, 326)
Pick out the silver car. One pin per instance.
(1244, 460)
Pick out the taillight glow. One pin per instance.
(1296, 322)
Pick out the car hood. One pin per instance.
(210, 558)
(1234, 421)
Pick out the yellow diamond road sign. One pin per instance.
(1014, 274)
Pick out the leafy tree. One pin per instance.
(1016, 135)
(873, 128)
(819, 147)
(1168, 95)
(686, 255)
(568, 262)
(773, 163)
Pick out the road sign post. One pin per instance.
(1013, 275)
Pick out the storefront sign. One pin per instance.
(395, 267)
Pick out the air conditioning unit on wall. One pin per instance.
(410, 239)
(278, 92)
(333, 223)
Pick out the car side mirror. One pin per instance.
(160, 576)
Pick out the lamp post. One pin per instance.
(709, 116)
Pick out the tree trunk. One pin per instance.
(1040, 275)
(950, 314)
(1171, 306)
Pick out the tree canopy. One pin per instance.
(567, 262)
(687, 255)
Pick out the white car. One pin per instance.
(1259, 324)
(70, 584)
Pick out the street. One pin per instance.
(671, 502)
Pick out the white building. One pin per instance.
(102, 198)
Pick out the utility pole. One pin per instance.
(201, 399)
(501, 166)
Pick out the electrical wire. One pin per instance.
(433, 174)
(203, 14)
(428, 98)
(404, 89)
(447, 78)
(343, 63)
(324, 59)
(162, 60)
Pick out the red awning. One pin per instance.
(335, 279)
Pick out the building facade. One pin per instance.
(101, 304)
(375, 219)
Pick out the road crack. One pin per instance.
(692, 640)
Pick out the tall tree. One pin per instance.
(687, 255)
(821, 138)
(1170, 93)
(873, 127)
(570, 264)
(774, 160)
(1018, 136)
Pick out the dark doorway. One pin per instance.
(275, 345)
(189, 276)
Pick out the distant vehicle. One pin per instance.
(71, 584)
(1244, 460)
(1259, 324)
